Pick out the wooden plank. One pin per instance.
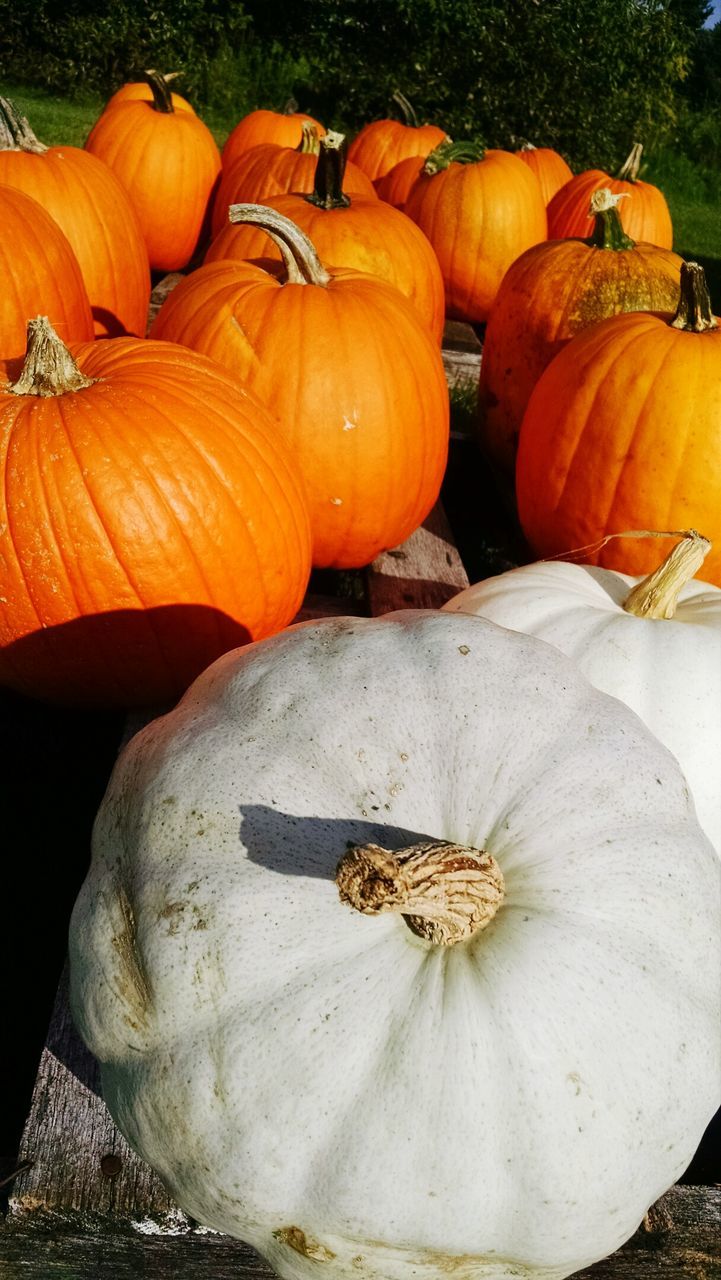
(160, 293)
(461, 353)
(421, 574)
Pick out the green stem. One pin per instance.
(694, 313)
(162, 97)
(409, 115)
(469, 152)
(607, 231)
(629, 169)
(15, 132)
(301, 262)
(327, 190)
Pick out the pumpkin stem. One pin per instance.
(328, 190)
(631, 165)
(309, 144)
(469, 152)
(607, 231)
(49, 368)
(15, 132)
(445, 892)
(160, 89)
(301, 262)
(694, 308)
(409, 115)
(657, 596)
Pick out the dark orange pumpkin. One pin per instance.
(396, 185)
(281, 128)
(645, 217)
(92, 208)
(349, 231)
(480, 211)
(623, 431)
(39, 272)
(553, 291)
(168, 162)
(271, 170)
(352, 374)
(150, 520)
(549, 167)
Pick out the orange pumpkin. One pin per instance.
(384, 143)
(396, 185)
(140, 91)
(349, 231)
(553, 291)
(271, 170)
(39, 272)
(92, 208)
(480, 211)
(623, 431)
(281, 128)
(353, 376)
(646, 217)
(150, 520)
(168, 162)
(549, 167)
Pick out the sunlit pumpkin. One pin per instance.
(645, 217)
(549, 167)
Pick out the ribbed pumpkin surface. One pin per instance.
(368, 236)
(383, 143)
(549, 167)
(92, 208)
(149, 523)
(168, 164)
(644, 215)
(355, 380)
(283, 129)
(40, 275)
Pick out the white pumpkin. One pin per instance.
(355, 1098)
(659, 652)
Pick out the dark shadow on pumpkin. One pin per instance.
(111, 325)
(125, 658)
(297, 845)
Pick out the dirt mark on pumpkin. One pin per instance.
(135, 984)
(303, 1244)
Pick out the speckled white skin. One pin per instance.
(668, 669)
(507, 1107)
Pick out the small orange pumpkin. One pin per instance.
(140, 91)
(384, 143)
(352, 374)
(480, 211)
(646, 217)
(549, 167)
(623, 431)
(553, 291)
(281, 128)
(168, 162)
(350, 231)
(150, 520)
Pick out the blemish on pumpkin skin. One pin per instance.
(136, 990)
(303, 1244)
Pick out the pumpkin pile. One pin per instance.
(399, 944)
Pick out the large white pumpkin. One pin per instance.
(663, 659)
(354, 1099)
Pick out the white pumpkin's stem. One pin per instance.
(49, 368)
(301, 262)
(657, 596)
(445, 892)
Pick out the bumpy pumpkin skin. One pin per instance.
(479, 218)
(355, 379)
(260, 1041)
(668, 670)
(168, 163)
(384, 143)
(553, 291)
(41, 275)
(148, 522)
(269, 171)
(645, 216)
(549, 167)
(367, 236)
(92, 208)
(623, 431)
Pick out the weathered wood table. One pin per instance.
(83, 1206)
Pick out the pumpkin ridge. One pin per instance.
(16, 427)
(691, 401)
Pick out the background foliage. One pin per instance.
(585, 78)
